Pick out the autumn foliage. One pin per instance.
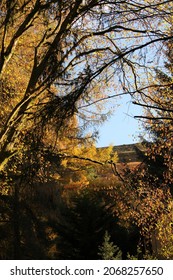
(63, 66)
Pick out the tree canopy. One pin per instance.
(64, 53)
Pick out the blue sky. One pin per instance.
(121, 128)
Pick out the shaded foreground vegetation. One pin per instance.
(64, 219)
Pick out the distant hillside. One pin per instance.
(130, 153)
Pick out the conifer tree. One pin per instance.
(109, 251)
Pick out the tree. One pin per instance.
(73, 53)
(80, 224)
(155, 177)
(159, 122)
(109, 251)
